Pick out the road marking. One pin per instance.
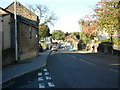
(87, 61)
(40, 78)
(41, 85)
(40, 74)
(45, 70)
(46, 73)
(114, 70)
(83, 60)
(51, 84)
(73, 56)
(48, 78)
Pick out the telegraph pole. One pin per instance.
(16, 43)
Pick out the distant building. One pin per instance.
(27, 32)
(72, 40)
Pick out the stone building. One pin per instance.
(74, 41)
(27, 34)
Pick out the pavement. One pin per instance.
(13, 71)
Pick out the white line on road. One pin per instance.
(73, 57)
(45, 70)
(51, 84)
(48, 78)
(40, 78)
(114, 70)
(40, 74)
(46, 73)
(83, 60)
(87, 61)
(41, 85)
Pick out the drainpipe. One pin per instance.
(16, 43)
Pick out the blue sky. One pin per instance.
(68, 11)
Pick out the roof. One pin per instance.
(4, 10)
(21, 18)
(71, 37)
(23, 11)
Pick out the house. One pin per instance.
(27, 34)
(72, 40)
(7, 54)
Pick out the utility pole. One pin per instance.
(16, 43)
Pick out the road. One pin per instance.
(75, 70)
(66, 69)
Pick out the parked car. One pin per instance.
(54, 48)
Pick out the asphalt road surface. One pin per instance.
(66, 69)
(80, 70)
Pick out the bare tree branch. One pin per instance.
(45, 15)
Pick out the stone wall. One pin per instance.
(28, 41)
(7, 57)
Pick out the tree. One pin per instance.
(45, 15)
(77, 34)
(106, 14)
(58, 35)
(66, 34)
(44, 30)
(88, 28)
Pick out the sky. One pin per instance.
(69, 12)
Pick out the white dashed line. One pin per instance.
(114, 70)
(45, 80)
(40, 74)
(73, 57)
(83, 60)
(48, 78)
(45, 70)
(40, 78)
(51, 84)
(41, 85)
(46, 73)
(87, 61)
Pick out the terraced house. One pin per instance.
(27, 33)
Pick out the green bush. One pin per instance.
(116, 40)
(106, 41)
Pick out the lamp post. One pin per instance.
(15, 18)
